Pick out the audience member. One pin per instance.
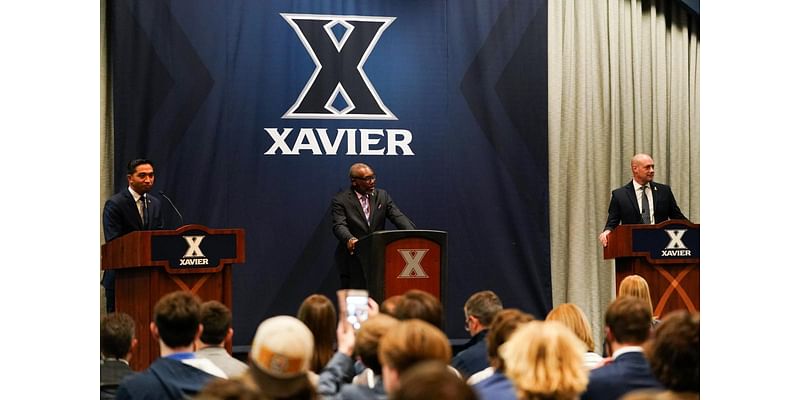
(573, 317)
(544, 360)
(409, 342)
(177, 374)
(117, 340)
(496, 385)
(636, 286)
(432, 380)
(479, 310)
(388, 306)
(364, 345)
(674, 354)
(319, 315)
(420, 305)
(628, 326)
(216, 320)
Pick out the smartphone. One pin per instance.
(356, 302)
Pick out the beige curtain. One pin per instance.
(106, 128)
(623, 78)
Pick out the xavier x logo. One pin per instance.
(675, 238)
(194, 246)
(339, 46)
(413, 258)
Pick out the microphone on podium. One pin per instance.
(164, 195)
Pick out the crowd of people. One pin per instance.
(401, 352)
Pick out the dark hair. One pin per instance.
(177, 316)
(421, 305)
(216, 320)
(501, 328)
(629, 319)
(137, 162)
(319, 315)
(116, 334)
(483, 305)
(432, 380)
(674, 352)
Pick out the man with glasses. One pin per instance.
(357, 212)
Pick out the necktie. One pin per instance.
(365, 206)
(145, 221)
(645, 206)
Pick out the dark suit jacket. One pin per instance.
(474, 358)
(164, 379)
(630, 371)
(625, 209)
(349, 221)
(112, 372)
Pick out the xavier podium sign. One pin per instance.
(396, 261)
(150, 264)
(666, 255)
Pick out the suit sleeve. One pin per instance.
(337, 372)
(339, 214)
(613, 214)
(397, 217)
(112, 220)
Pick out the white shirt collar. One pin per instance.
(627, 349)
(135, 195)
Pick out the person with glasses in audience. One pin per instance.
(357, 212)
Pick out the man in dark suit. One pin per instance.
(479, 311)
(627, 328)
(117, 331)
(357, 212)
(132, 209)
(628, 205)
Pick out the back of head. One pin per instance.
(674, 352)
(368, 338)
(432, 380)
(117, 331)
(177, 316)
(319, 315)
(483, 305)
(545, 360)
(636, 286)
(420, 305)
(390, 304)
(573, 317)
(503, 325)
(412, 341)
(280, 357)
(216, 320)
(629, 319)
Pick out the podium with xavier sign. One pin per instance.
(150, 264)
(396, 261)
(666, 255)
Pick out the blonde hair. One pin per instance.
(573, 318)
(636, 286)
(545, 360)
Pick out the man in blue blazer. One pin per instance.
(627, 328)
(357, 212)
(132, 209)
(627, 204)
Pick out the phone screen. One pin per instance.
(357, 307)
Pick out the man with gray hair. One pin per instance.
(479, 311)
(358, 211)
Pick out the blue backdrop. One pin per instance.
(446, 100)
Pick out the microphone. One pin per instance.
(164, 195)
(145, 218)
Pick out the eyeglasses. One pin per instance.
(370, 178)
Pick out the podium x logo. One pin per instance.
(675, 238)
(413, 268)
(194, 246)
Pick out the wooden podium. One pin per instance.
(150, 264)
(396, 261)
(666, 255)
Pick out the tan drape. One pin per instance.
(106, 128)
(623, 78)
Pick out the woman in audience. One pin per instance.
(496, 385)
(636, 286)
(319, 315)
(674, 354)
(408, 343)
(545, 361)
(573, 317)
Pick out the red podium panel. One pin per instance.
(150, 264)
(666, 255)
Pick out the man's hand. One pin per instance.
(603, 238)
(351, 245)
(345, 338)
